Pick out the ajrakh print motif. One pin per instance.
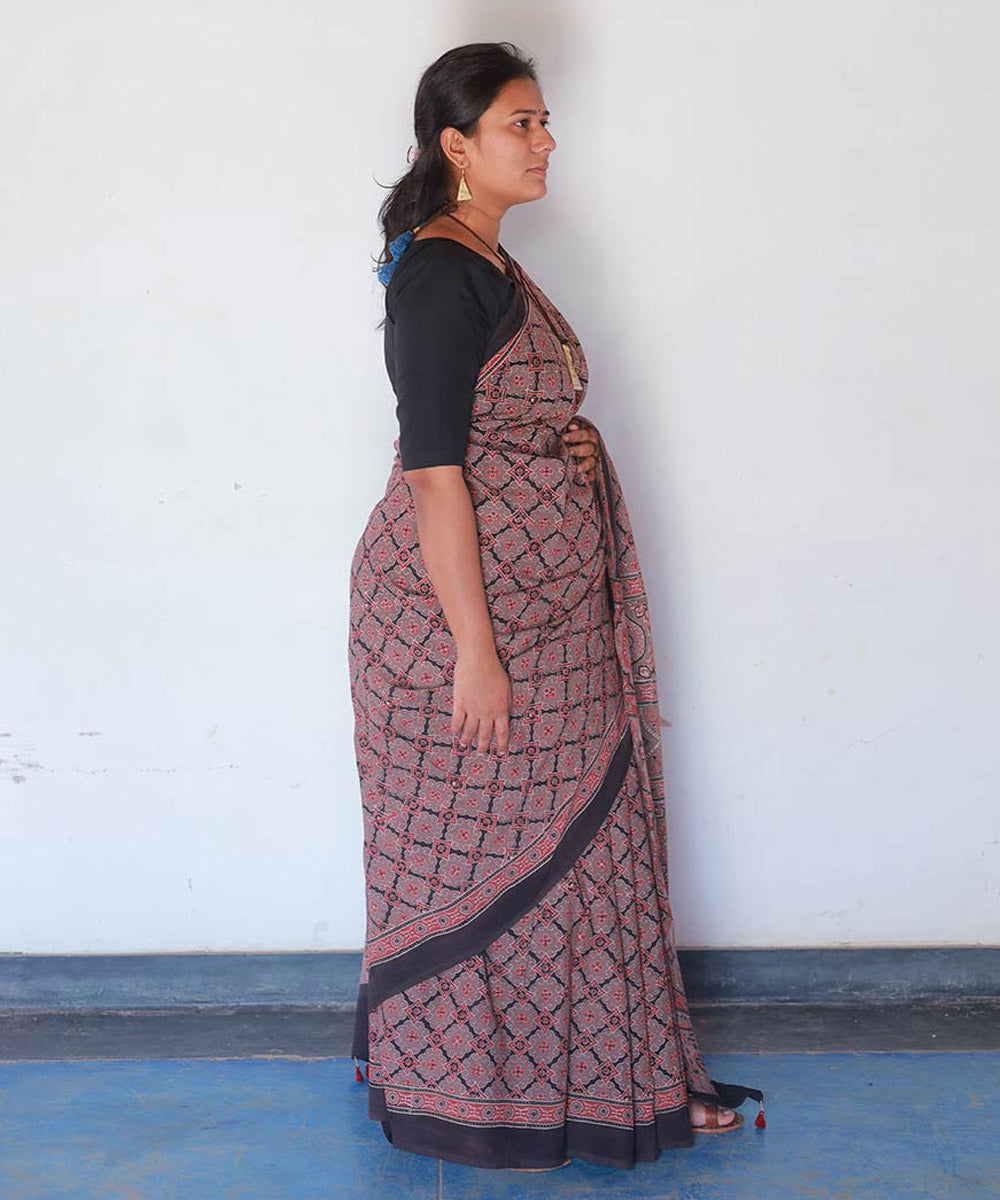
(520, 998)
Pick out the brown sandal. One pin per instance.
(712, 1124)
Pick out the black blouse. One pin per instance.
(448, 309)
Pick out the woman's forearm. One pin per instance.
(449, 543)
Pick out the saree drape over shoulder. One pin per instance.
(520, 998)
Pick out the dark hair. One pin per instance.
(455, 90)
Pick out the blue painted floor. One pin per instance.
(841, 1125)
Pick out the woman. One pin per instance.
(520, 1000)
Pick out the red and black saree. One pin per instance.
(520, 999)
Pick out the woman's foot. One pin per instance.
(725, 1116)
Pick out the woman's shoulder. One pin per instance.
(441, 267)
(440, 229)
(455, 255)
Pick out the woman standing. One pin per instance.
(520, 1001)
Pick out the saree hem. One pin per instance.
(501, 1147)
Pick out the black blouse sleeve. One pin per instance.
(441, 307)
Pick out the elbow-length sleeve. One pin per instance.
(440, 316)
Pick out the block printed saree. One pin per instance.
(520, 998)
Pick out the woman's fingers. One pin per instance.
(583, 445)
(581, 441)
(588, 467)
(481, 702)
(482, 731)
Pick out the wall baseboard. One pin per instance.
(329, 979)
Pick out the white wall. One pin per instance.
(774, 226)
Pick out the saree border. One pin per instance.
(504, 351)
(499, 1145)
(581, 1131)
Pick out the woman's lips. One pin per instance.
(540, 170)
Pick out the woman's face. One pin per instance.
(501, 161)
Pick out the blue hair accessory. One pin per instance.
(397, 246)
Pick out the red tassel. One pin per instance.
(357, 1072)
(759, 1119)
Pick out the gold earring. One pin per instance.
(463, 188)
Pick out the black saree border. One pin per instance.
(437, 954)
(498, 355)
(500, 1145)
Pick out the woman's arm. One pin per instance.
(449, 543)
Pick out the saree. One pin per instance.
(520, 998)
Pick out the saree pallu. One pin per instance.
(520, 998)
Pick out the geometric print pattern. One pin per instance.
(520, 996)
(574, 1009)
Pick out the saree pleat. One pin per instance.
(520, 997)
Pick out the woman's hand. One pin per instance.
(583, 443)
(481, 701)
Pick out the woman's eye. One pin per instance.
(523, 119)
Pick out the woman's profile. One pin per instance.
(521, 1001)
